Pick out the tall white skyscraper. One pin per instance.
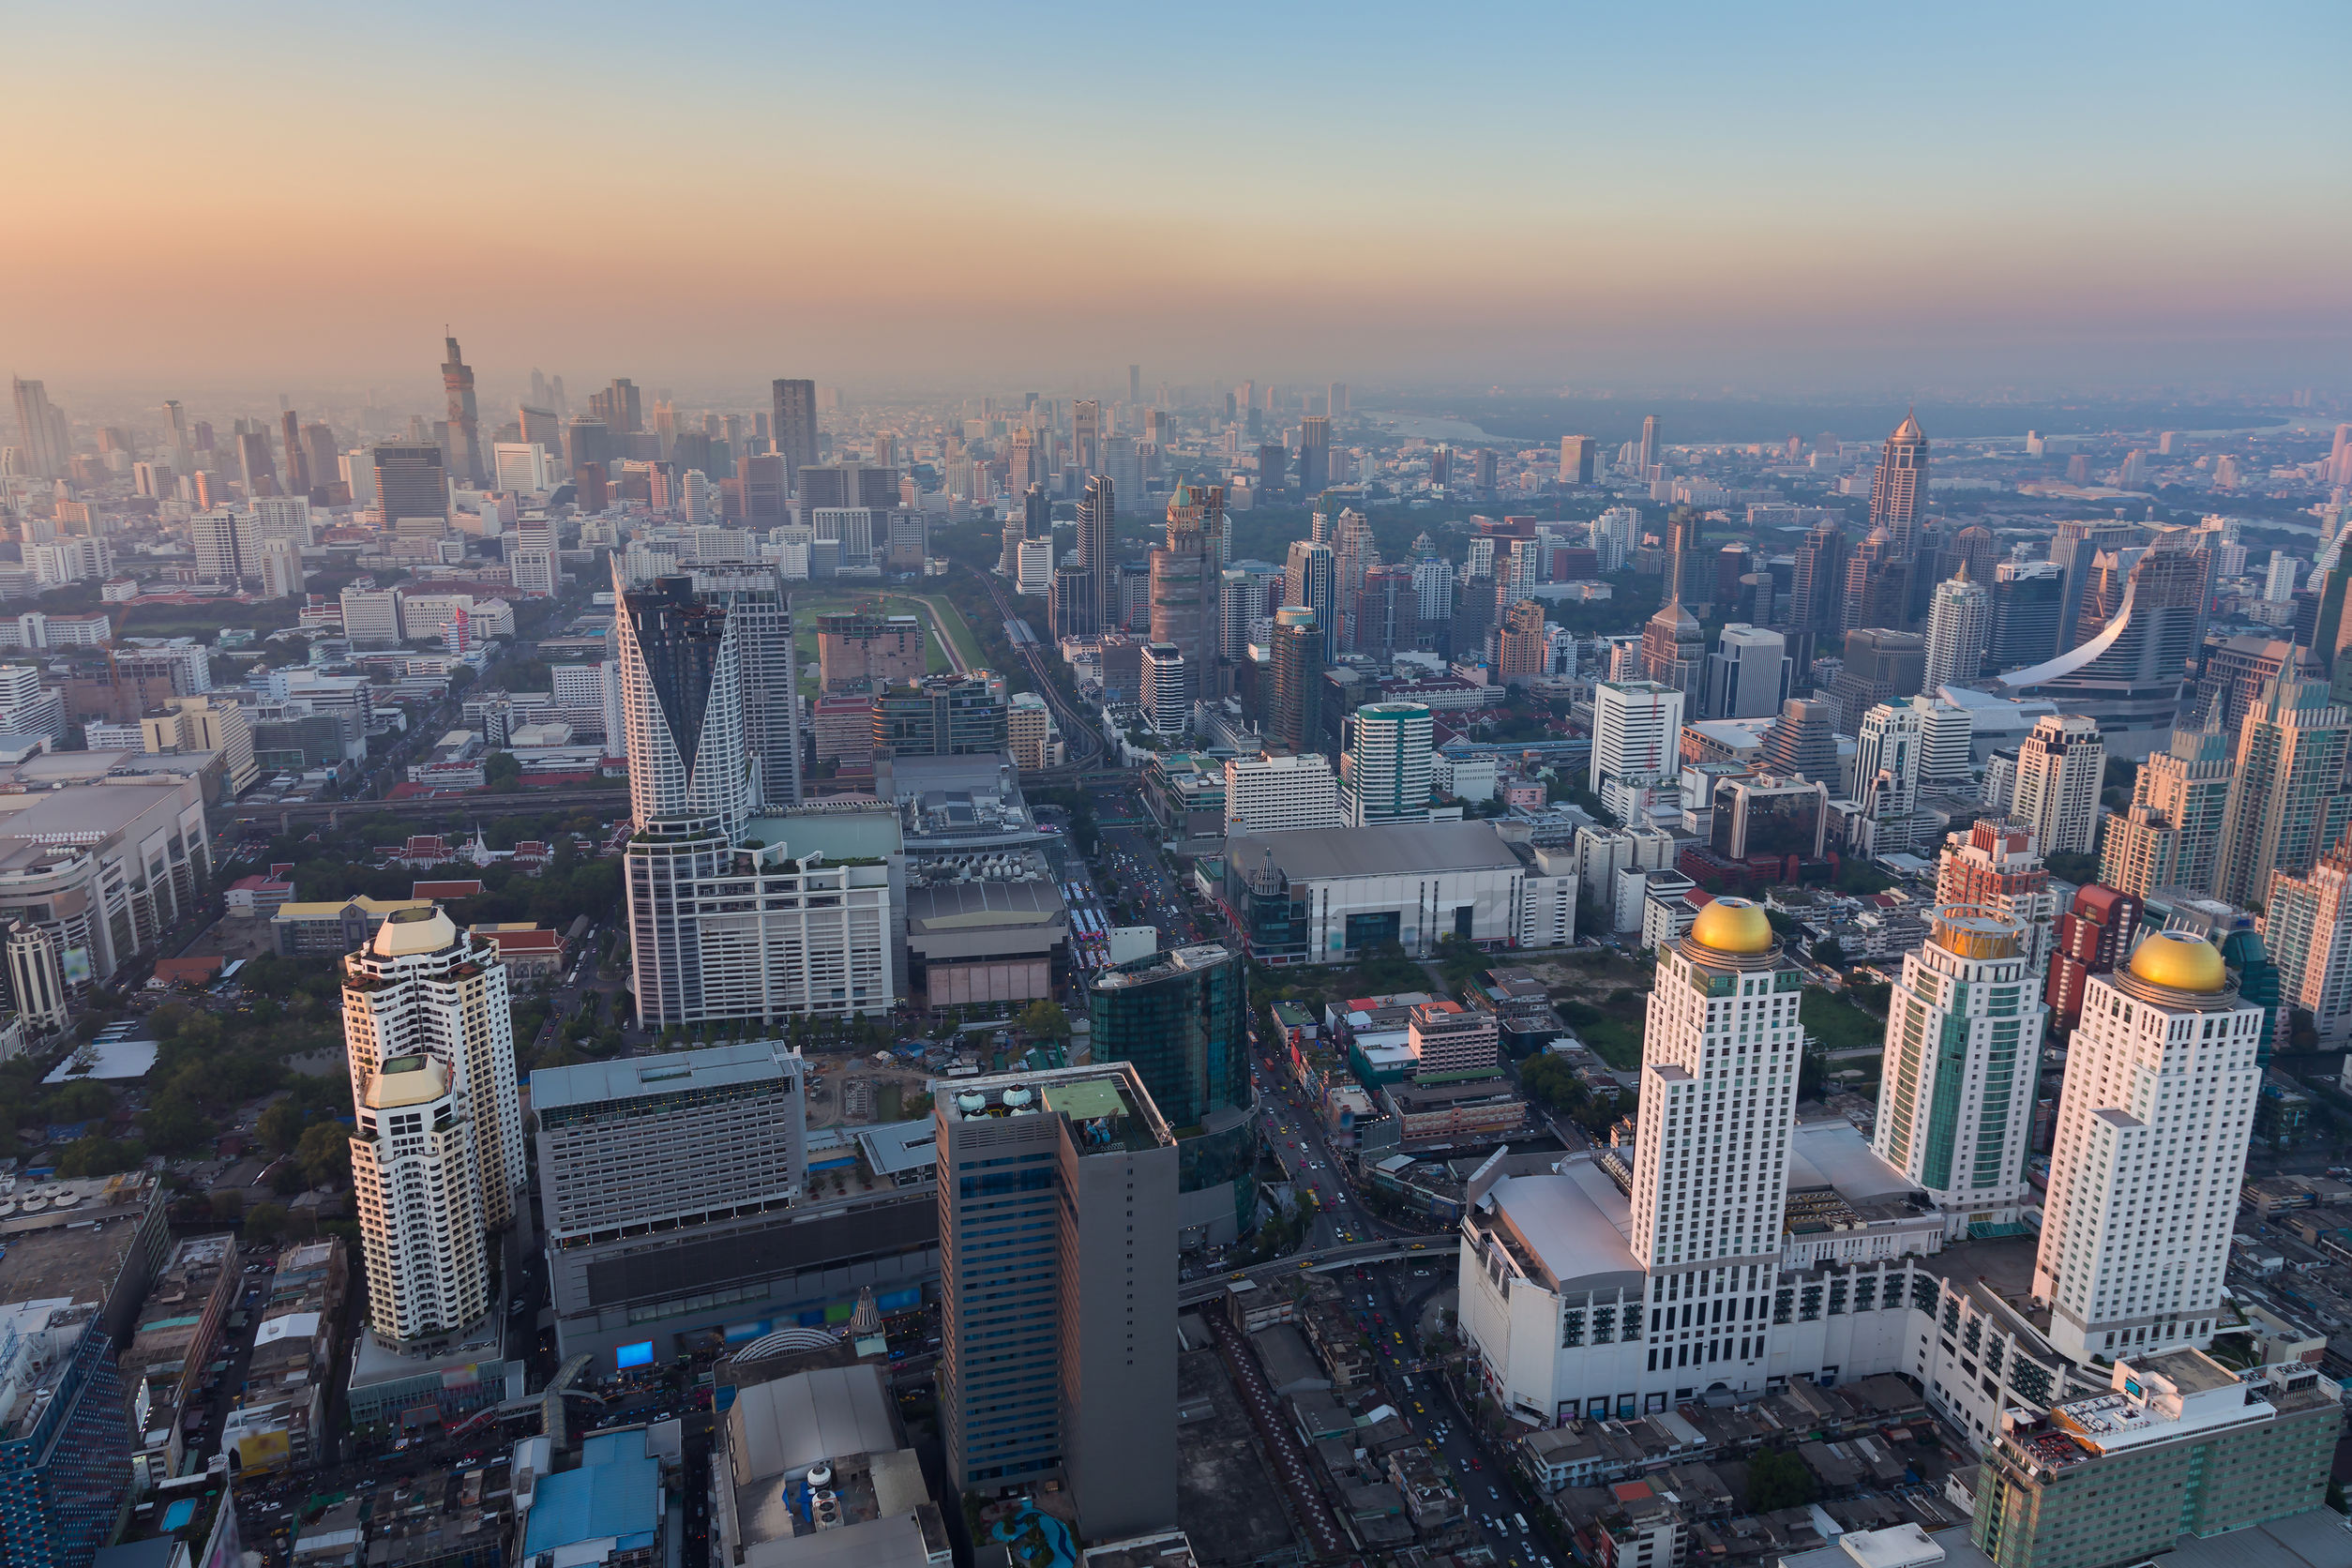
(2150, 1150)
(1615, 532)
(1636, 738)
(682, 709)
(2307, 928)
(47, 441)
(1959, 627)
(438, 1153)
(1747, 675)
(1388, 765)
(1964, 1037)
(1718, 1101)
(1887, 751)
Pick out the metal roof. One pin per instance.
(1414, 848)
(833, 1413)
(633, 1078)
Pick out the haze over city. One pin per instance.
(933, 195)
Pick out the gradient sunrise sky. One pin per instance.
(1782, 195)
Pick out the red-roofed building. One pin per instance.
(444, 889)
(186, 971)
(530, 851)
(252, 896)
(427, 848)
(524, 949)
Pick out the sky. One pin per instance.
(1793, 195)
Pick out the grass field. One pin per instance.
(1838, 1024)
(807, 607)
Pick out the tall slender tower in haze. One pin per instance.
(465, 420)
(795, 425)
(1900, 485)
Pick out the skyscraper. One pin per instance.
(1294, 721)
(793, 424)
(1086, 435)
(1097, 526)
(2027, 599)
(1819, 588)
(1885, 775)
(1522, 652)
(1963, 1039)
(2287, 800)
(1637, 734)
(465, 422)
(1310, 579)
(1185, 571)
(2170, 835)
(2307, 928)
(1718, 1100)
(1802, 741)
(410, 481)
(43, 429)
(2148, 1155)
(1181, 1018)
(1673, 651)
(1899, 487)
(257, 467)
(1646, 454)
(1314, 453)
(1578, 453)
(2061, 767)
(1058, 1291)
(1387, 778)
(1747, 675)
(1959, 627)
(1879, 583)
(757, 602)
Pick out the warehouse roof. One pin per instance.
(1316, 854)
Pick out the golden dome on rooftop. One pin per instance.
(1733, 925)
(2180, 959)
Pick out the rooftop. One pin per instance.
(1373, 851)
(638, 1078)
(1575, 1226)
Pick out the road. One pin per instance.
(615, 800)
(1140, 876)
(1083, 743)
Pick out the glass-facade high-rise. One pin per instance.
(64, 1438)
(1181, 1017)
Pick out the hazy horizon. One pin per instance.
(1845, 199)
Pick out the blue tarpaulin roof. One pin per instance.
(620, 1497)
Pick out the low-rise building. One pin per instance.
(335, 925)
(170, 1349)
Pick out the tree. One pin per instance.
(1045, 1020)
(175, 1126)
(281, 1126)
(324, 1154)
(99, 1156)
(1778, 1479)
(502, 773)
(267, 1222)
(1830, 952)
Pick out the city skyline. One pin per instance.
(1799, 199)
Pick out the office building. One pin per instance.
(1280, 792)
(1636, 739)
(1946, 735)
(1338, 896)
(1181, 1018)
(1185, 572)
(1801, 743)
(282, 571)
(1033, 566)
(2178, 1447)
(1673, 651)
(2029, 599)
(1887, 751)
(2149, 1154)
(1387, 771)
(2233, 674)
(1294, 719)
(2060, 767)
(1817, 603)
(1899, 487)
(1647, 453)
(1311, 580)
(1963, 1042)
(465, 424)
(1579, 457)
(1998, 866)
(65, 1432)
(1248, 592)
(664, 1144)
(48, 443)
(421, 986)
(2307, 930)
(2094, 935)
(2287, 802)
(2141, 624)
(1959, 630)
(410, 481)
(1314, 454)
(227, 545)
(1759, 817)
(1881, 666)
(2171, 834)
(1747, 675)
(792, 425)
(206, 723)
(940, 715)
(1058, 1291)
(1522, 650)
(521, 467)
(1167, 687)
